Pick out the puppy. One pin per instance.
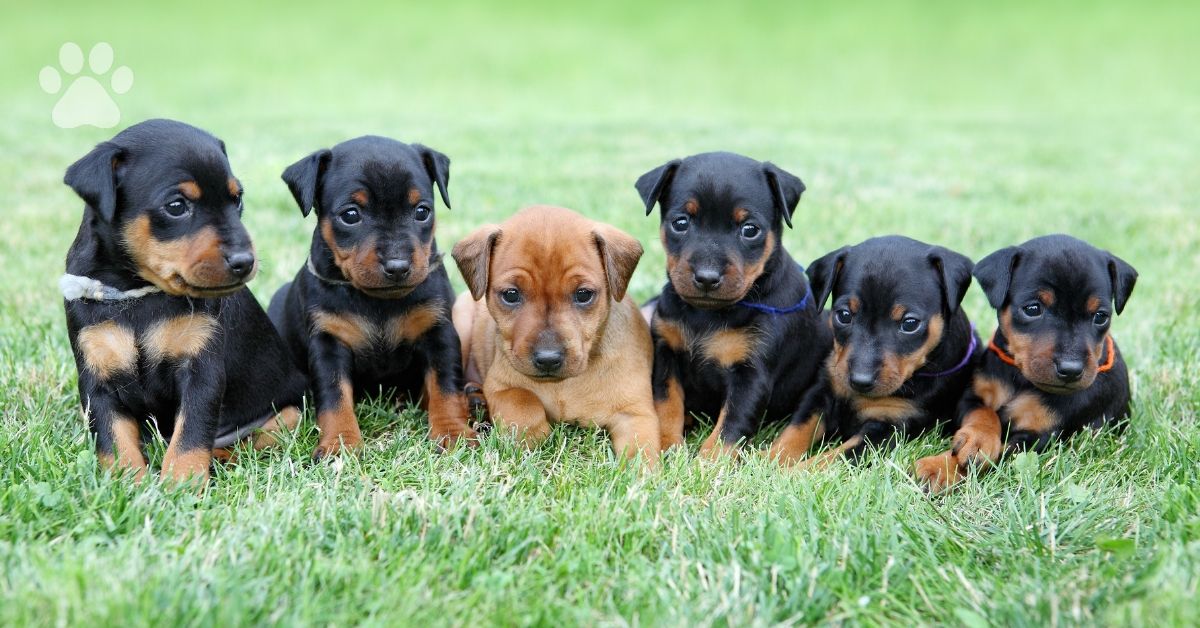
(548, 329)
(1052, 367)
(903, 350)
(162, 327)
(370, 309)
(735, 329)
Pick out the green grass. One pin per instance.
(970, 126)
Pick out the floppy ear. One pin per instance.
(94, 178)
(620, 253)
(1123, 277)
(994, 273)
(823, 274)
(954, 275)
(303, 178)
(438, 167)
(473, 254)
(786, 189)
(653, 184)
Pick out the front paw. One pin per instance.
(186, 467)
(333, 443)
(937, 473)
(449, 438)
(670, 440)
(976, 447)
(715, 448)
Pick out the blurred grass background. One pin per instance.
(971, 125)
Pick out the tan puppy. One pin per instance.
(549, 331)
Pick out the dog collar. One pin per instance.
(962, 363)
(312, 270)
(770, 309)
(1109, 346)
(75, 287)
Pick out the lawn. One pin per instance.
(965, 124)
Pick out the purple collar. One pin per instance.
(957, 367)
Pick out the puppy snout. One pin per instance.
(548, 361)
(1068, 370)
(240, 263)
(706, 278)
(862, 380)
(397, 269)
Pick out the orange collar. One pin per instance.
(1008, 359)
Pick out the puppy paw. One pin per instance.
(976, 447)
(937, 473)
(189, 467)
(448, 439)
(715, 449)
(337, 442)
(671, 440)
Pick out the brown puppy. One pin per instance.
(549, 331)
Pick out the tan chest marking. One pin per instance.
(671, 333)
(360, 334)
(888, 409)
(728, 346)
(107, 349)
(993, 392)
(1027, 413)
(178, 338)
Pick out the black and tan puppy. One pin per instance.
(903, 349)
(161, 324)
(1052, 368)
(735, 330)
(370, 310)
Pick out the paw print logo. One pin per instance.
(86, 100)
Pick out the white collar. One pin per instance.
(75, 287)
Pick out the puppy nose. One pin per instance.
(397, 268)
(240, 263)
(547, 360)
(1069, 370)
(862, 381)
(706, 278)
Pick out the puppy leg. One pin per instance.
(806, 426)
(463, 316)
(118, 441)
(270, 433)
(189, 454)
(978, 440)
(939, 472)
(445, 400)
(519, 411)
(871, 434)
(745, 402)
(330, 363)
(634, 434)
(668, 400)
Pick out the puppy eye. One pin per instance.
(350, 216)
(680, 224)
(843, 316)
(177, 208)
(910, 325)
(422, 213)
(1100, 319)
(510, 296)
(750, 231)
(1033, 310)
(584, 296)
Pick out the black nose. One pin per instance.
(1069, 370)
(862, 381)
(397, 268)
(240, 264)
(547, 360)
(706, 278)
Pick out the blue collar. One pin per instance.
(770, 309)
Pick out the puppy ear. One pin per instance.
(620, 253)
(786, 189)
(1123, 277)
(652, 185)
(954, 275)
(823, 274)
(94, 178)
(473, 254)
(438, 167)
(303, 178)
(994, 273)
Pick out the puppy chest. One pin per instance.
(376, 335)
(111, 348)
